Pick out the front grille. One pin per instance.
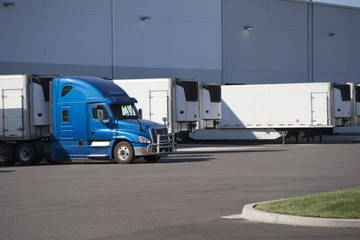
(163, 132)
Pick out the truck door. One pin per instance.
(13, 112)
(159, 106)
(69, 143)
(99, 133)
(319, 108)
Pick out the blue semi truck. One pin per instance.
(64, 118)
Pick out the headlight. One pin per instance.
(144, 139)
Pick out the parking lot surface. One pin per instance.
(183, 196)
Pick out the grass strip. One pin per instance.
(342, 204)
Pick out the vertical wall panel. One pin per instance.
(354, 45)
(143, 44)
(197, 10)
(22, 33)
(245, 50)
(182, 36)
(288, 51)
(288, 15)
(275, 50)
(152, 8)
(196, 45)
(330, 19)
(354, 22)
(84, 5)
(354, 55)
(246, 12)
(77, 37)
(330, 52)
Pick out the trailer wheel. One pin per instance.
(124, 153)
(26, 154)
(7, 156)
(182, 137)
(152, 158)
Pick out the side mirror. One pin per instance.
(100, 115)
(141, 113)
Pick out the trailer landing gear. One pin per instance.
(283, 135)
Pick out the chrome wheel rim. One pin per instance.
(123, 153)
(25, 154)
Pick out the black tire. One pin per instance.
(124, 153)
(152, 158)
(182, 137)
(7, 156)
(26, 154)
(53, 161)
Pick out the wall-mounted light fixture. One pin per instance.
(145, 19)
(248, 28)
(332, 34)
(8, 4)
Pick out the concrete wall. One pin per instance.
(107, 38)
(275, 50)
(336, 58)
(290, 42)
(201, 39)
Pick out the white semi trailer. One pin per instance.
(173, 102)
(270, 111)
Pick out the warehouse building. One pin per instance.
(221, 41)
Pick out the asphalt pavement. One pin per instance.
(183, 196)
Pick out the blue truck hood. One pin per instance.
(144, 123)
(133, 124)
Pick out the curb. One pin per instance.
(250, 213)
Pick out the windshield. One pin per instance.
(124, 111)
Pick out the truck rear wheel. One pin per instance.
(124, 153)
(26, 154)
(152, 158)
(7, 156)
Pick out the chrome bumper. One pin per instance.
(158, 148)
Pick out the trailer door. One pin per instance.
(159, 106)
(13, 112)
(319, 108)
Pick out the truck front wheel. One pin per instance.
(26, 154)
(7, 156)
(123, 153)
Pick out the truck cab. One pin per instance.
(94, 118)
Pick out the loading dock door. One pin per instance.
(319, 108)
(13, 112)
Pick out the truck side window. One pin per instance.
(100, 107)
(66, 90)
(65, 116)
